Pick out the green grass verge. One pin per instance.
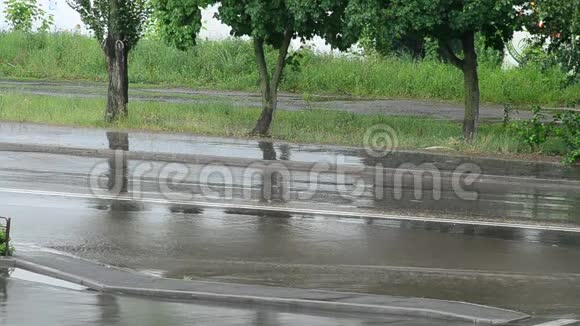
(230, 64)
(217, 119)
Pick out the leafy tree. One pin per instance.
(22, 14)
(276, 23)
(118, 25)
(557, 23)
(178, 22)
(268, 22)
(453, 24)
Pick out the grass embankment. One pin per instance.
(315, 126)
(230, 65)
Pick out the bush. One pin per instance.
(3, 245)
(563, 58)
(569, 133)
(564, 128)
(536, 131)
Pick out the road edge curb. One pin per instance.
(323, 167)
(327, 306)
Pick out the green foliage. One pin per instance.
(21, 15)
(536, 131)
(230, 64)
(508, 109)
(444, 20)
(324, 18)
(565, 127)
(178, 22)
(233, 120)
(3, 245)
(260, 19)
(451, 23)
(487, 55)
(127, 19)
(535, 55)
(557, 24)
(3, 248)
(569, 132)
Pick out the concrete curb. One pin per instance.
(50, 272)
(302, 304)
(350, 169)
(287, 303)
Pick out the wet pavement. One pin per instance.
(287, 101)
(169, 143)
(107, 279)
(534, 272)
(166, 220)
(64, 307)
(549, 201)
(176, 143)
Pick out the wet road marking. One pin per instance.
(560, 322)
(291, 210)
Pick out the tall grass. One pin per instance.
(229, 64)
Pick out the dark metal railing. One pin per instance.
(6, 229)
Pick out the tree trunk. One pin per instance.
(269, 86)
(472, 94)
(263, 125)
(118, 92)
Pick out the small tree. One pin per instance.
(268, 23)
(21, 15)
(275, 24)
(454, 24)
(557, 23)
(118, 25)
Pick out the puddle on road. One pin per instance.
(176, 143)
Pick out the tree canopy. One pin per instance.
(124, 17)
(21, 15)
(557, 24)
(178, 21)
(446, 21)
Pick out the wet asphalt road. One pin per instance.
(191, 237)
(530, 271)
(533, 271)
(547, 201)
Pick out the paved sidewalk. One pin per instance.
(109, 279)
(287, 101)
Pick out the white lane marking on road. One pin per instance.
(23, 275)
(559, 322)
(295, 210)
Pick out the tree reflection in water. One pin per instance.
(273, 185)
(118, 176)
